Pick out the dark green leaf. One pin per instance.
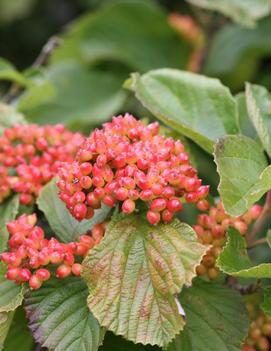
(259, 109)
(134, 272)
(236, 52)
(216, 319)
(266, 304)
(8, 210)
(244, 12)
(70, 92)
(5, 322)
(244, 177)
(64, 225)
(19, 336)
(135, 33)
(114, 342)
(234, 259)
(200, 108)
(60, 318)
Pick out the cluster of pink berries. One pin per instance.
(128, 161)
(30, 156)
(29, 252)
(211, 229)
(259, 334)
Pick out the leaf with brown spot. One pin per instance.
(134, 272)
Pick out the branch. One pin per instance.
(42, 58)
(261, 221)
(257, 242)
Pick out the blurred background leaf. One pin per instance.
(244, 12)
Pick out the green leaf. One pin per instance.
(70, 92)
(114, 342)
(244, 12)
(216, 319)
(244, 177)
(135, 33)
(9, 72)
(246, 127)
(241, 51)
(234, 259)
(201, 108)
(5, 322)
(64, 225)
(8, 210)
(266, 304)
(259, 109)
(19, 336)
(268, 237)
(134, 272)
(59, 316)
(9, 117)
(11, 294)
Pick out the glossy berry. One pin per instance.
(27, 257)
(30, 156)
(259, 334)
(211, 230)
(127, 161)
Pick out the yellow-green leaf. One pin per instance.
(134, 272)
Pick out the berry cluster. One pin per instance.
(259, 331)
(30, 156)
(30, 252)
(128, 161)
(211, 229)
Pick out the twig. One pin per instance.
(261, 221)
(37, 348)
(42, 58)
(46, 51)
(257, 242)
(244, 290)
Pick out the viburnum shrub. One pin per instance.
(138, 235)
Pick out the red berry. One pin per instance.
(167, 216)
(158, 205)
(35, 283)
(25, 274)
(12, 273)
(128, 206)
(76, 269)
(43, 274)
(174, 205)
(153, 217)
(63, 271)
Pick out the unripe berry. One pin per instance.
(167, 216)
(12, 273)
(121, 194)
(153, 217)
(128, 206)
(63, 271)
(109, 200)
(158, 205)
(76, 269)
(34, 282)
(174, 205)
(43, 274)
(80, 211)
(203, 205)
(25, 274)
